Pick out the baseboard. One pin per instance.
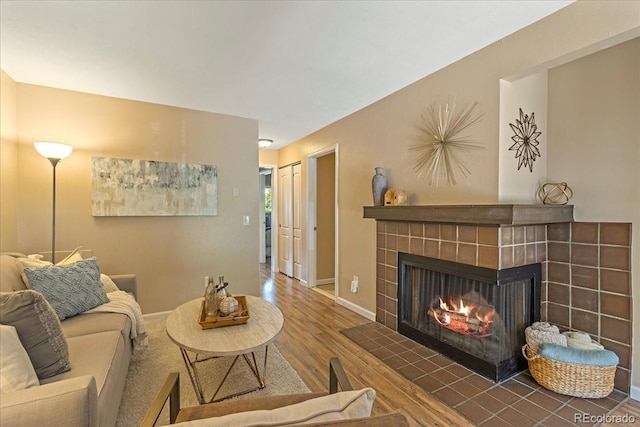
(323, 292)
(325, 281)
(343, 302)
(304, 283)
(158, 315)
(635, 393)
(356, 308)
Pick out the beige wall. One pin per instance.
(267, 157)
(325, 217)
(594, 145)
(8, 164)
(380, 134)
(170, 255)
(594, 132)
(529, 94)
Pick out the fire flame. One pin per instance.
(465, 318)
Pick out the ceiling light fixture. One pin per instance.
(264, 143)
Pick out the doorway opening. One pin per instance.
(266, 213)
(323, 224)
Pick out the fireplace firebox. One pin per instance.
(474, 315)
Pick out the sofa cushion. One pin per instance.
(338, 406)
(16, 370)
(91, 323)
(39, 330)
(92, 355)
(70, 289)
(10, 274)
(104, 356)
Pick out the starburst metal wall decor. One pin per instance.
(443, 151)
(525, 140)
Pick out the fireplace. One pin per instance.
(474, 315)
(586, 266)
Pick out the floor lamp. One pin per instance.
(54, 152)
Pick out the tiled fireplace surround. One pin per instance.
(586, 270)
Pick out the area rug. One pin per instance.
(148, 371)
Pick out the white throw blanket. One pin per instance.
(122, 302)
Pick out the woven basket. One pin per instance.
(571, 379)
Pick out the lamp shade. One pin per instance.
(264, 143)
(53, 150)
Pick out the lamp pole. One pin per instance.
(54, 163)
(54, 152)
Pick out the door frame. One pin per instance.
(312, 180)
(274, 214)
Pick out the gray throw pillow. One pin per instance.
(70, 289)
(39, 331)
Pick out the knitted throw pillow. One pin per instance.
(70, 289)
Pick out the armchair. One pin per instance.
(283, 405)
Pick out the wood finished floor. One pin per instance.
(311, 335)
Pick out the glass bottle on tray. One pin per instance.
(210, 298)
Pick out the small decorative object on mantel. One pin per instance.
(443, 151)
(378, 187)
(525, 140)
(555, 193)
(395, 197)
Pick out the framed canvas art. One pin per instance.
(126, 187)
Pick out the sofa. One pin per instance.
(86, 388)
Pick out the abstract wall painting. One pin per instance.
(126, 187)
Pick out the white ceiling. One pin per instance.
(295, 66)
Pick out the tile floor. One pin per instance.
(518, 401)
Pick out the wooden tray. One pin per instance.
(239, 317)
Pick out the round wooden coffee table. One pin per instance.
(263, 326)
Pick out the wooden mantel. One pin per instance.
(497, 215)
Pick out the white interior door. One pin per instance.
(285, 220)
(297, 223)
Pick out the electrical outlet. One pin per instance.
(354, 284)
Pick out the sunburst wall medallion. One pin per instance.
(443, 151)
(525, 140)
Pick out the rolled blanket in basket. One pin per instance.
(577, 356)
(541, 332)
(582, 341)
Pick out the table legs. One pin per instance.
(190, 364)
